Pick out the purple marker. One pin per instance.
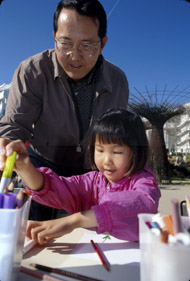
(1, 200)
(9, 201)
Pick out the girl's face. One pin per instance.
(113, 160)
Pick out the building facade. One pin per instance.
(177, 132)
(4, 91)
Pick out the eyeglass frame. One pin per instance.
(57, 41)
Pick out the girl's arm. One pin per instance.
(42, 232)
(23, 167)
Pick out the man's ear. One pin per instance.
(103, 43)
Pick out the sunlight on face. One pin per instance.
(113, 160)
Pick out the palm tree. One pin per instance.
(158, 108)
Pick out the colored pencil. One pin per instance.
(39, 275)
(101, 255)
(63, 272)
(11, 187)
(19, 198)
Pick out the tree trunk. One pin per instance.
(158, 160)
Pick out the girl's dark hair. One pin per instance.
(90, 8)
(122, 127)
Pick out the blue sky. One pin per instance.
(148, 39)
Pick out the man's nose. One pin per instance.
(75, 53)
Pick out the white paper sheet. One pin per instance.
(114, 249)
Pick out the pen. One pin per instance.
(101, 255)
(64, 272)
(8, 170)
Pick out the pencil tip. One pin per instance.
(11, 187)
(107, 267)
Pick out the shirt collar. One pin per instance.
(103, 84)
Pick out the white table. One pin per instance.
(74, 252)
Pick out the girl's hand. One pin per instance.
(3, 143)
(7, 147)
(23, 167)
(44, 231)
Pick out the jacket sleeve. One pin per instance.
(73, 194)
(23, 105)
(117, 211)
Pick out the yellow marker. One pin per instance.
(8, 171)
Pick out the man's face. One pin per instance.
(76, 30)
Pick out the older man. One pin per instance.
(57, 95)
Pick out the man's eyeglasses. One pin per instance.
(87, 49)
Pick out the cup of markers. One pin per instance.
(165, 246)
(14, 209)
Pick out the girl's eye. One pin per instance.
(99, 150)
(118, 152)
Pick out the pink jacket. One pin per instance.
(115, 205)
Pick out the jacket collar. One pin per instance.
(104, 82)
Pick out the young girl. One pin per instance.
(108, 198)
